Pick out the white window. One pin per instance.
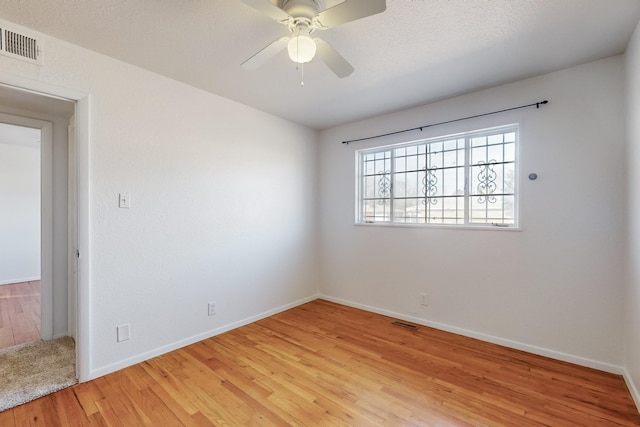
(466, 179)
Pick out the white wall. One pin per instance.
(19, 211)
(222, 206)
(553, 288)
(632, 295)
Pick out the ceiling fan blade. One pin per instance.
(269, 9)
(333, 59)
(348, 11)
(265, 54)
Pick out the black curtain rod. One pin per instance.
(536, 104)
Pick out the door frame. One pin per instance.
(83, 288)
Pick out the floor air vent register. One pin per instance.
(405, 325)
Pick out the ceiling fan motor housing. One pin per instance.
(306, 9)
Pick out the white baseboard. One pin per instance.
(18, 280)
(632, 387)
(578, 360)
(95, 373)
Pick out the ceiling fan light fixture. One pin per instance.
(304, 17)
(301, 47)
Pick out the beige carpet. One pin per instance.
(33, 370)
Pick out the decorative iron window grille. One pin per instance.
(467, 179)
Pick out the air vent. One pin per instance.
(405, 325)
(20, 45)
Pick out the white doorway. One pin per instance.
(20, 235)
(51, 118)
(45, 130)
(68, 110)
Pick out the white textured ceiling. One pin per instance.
(416, 52)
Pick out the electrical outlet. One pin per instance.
(123, 332)
(424, 299)
(212, 308)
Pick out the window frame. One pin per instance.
(467, 194)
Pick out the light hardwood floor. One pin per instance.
(19, 313)
(323, 364)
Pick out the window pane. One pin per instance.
(381, 166)
(434, 207)
(509, 178)
(399, 185)
(451, 144)
(422, 161)
(494, 153)
(509, 152)
(400, 164)
(495, 139)
(369, 190)
(509, 209)
(453, 182)
(454, 210)
(413, 180)
(435, 147)
(450, 158)
(479, 141)
(376, 210)
(399, 210)
(369, 167)
(510, 137)
(412, 163)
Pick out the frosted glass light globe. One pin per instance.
(301, 48)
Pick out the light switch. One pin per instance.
(124, 201)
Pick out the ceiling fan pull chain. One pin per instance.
(300, 67)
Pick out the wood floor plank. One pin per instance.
(19, 313)
(323, 364)
(7, 418)
(67, 408)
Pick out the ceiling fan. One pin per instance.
(302, 18)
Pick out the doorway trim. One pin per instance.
(83, 291)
